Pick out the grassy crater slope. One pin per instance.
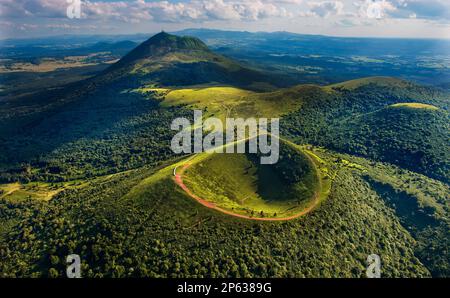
(239, 184)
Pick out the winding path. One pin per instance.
(178, 178)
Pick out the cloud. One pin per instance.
(161, 11)
(374, 9)
(421, 9)
(237, 13)
(354, 22)
(239, 10)
(36, 8)
(326, 8)
(193, 10)
(400, 9)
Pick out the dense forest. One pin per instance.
(105, 133)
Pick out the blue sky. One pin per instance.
(380, 18)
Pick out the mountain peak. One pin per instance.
(165, 40)
(161, 44)
(171, 60)
(163, 35)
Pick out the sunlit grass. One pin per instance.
(414, 105)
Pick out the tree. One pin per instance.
(53, 273)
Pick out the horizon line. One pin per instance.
(225, 30)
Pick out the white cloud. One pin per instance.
(253, 15)
(236, 10)
(399, 9)
(375, 9)
(26, 8)
(423, 9)
(326, 8)
(161, 11)
(193, 10)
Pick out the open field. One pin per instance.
(35, 190)
(44, 191)
(52, 64)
